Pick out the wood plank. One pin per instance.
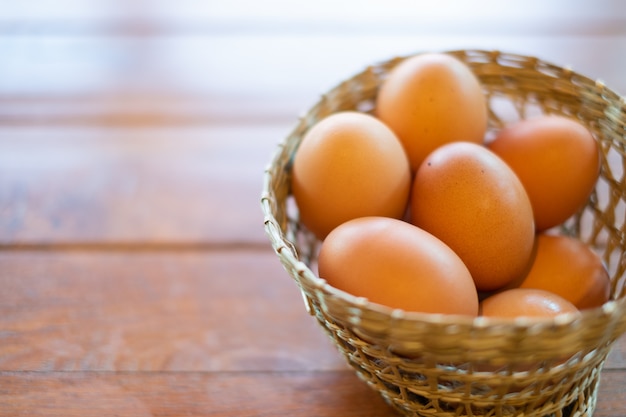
(178, 185)
(617, 357)
(146, 311)
(612, 395)
(328, 393)
(164, 394)
(143, 311)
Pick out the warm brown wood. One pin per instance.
(612, 395)
(222, 310)
(326, 393)
(135, 275)
(617, 357)
(298, 394)
(120, 185)
(153, 310)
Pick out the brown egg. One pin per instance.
(530, 304)
(567, 267)
(393, 263)
(432, 99)
(557, 160)
(525, 302)
(349, 165)
(469, 198)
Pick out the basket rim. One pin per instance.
(611, 307)
(306, 277)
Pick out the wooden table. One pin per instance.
(135, 275)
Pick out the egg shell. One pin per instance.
(349, 165)
(526, 302)
(432, 99)
(567, 267)
(556, 159)
(395, 264)
(469, 198)
(534, 304)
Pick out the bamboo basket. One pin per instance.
(438, 365)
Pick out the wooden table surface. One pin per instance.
(135, 275)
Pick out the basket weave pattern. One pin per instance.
(437, 365)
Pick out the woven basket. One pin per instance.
(461, 366)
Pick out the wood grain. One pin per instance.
(148, 311)
(181, 185)
(173, 311)
(329, 393)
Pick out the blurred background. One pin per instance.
(263, 61)
(106, 103)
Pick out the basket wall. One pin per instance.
(435, 365)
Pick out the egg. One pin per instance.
(395, 264)
(567, 267)
(529, 304)
(469, 198)
(526, 302)
(432, 99)
(557, 160)
(349, 165)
